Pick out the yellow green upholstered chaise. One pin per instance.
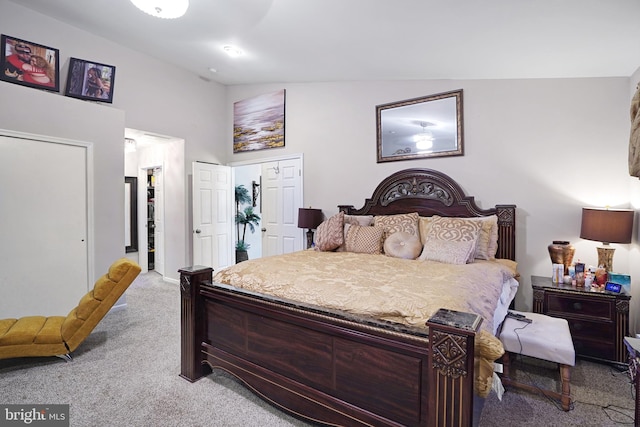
(37, 336)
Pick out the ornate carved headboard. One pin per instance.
(429, 192)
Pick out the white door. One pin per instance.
(158, 221)
(43, 227)
(212, 215)
(281, 199)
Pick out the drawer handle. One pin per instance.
(577, 306)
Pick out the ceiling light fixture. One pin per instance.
(167, 9)
(424, 140)
(232, 51)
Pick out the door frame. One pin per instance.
(88, 146)
(260, 161)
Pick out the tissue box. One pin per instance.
(621, 279)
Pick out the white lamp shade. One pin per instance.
(167, 9)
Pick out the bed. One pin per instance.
(337, 365)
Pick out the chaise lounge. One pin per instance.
(39, 336)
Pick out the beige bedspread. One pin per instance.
(383, 287)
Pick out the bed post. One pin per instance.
(191, 321)
(451, 364)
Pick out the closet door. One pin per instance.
(281, 199)
(43, 226)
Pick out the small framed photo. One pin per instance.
(90, 80)
(29, 64)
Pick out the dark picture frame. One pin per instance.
(90, 80)
(258, 122)
(29, 64)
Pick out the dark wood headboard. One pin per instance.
(429, 192)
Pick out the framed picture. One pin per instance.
(258, 122)
(428, 126)
(90, 80)
(29, 64)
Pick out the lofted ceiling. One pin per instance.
(350, 40)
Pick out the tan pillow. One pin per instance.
(487, 244)
(423, 227)
(330, 234)
(366, 240)
(363, 220)
(407, 223)
(402, 245)
(454, 229)
(448, 251)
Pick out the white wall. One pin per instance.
(148, 95)
(551, 146)
(45, 113)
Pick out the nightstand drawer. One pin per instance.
(598, 321)
(594, 308)
(603, 331)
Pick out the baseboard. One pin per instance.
(174, 281)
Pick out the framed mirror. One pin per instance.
(130, 214)
(429, 126)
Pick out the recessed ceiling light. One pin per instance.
(232, 51)
(167, 9)
(213, 70)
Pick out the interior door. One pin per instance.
(213, 218)
(281, 199)
(43, 226)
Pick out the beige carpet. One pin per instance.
(126, 374)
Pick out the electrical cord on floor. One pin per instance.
(607, 409)
(536, 385)
(531, 382)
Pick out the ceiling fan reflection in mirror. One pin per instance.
(424, 140)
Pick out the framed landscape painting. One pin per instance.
(258, 122)
(90, 80)
(29, 64)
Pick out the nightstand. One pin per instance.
(598, 321)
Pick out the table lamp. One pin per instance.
(607, 226)
(309, 218)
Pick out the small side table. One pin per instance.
(633, 346)
(599, 321)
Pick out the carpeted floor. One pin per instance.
(126, 374)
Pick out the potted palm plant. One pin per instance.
(244, 218)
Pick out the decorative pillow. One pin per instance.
(487, 244)
(454, 229)
(402, 245)
(407, 223)
(448, 251)
(423, 227)
(330, 234)
(363, 220)
(366, 240)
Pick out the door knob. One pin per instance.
(198, 231)
(263, 229)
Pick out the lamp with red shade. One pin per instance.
(309, 218)
(607, 226)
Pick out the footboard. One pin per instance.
(329, 367)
